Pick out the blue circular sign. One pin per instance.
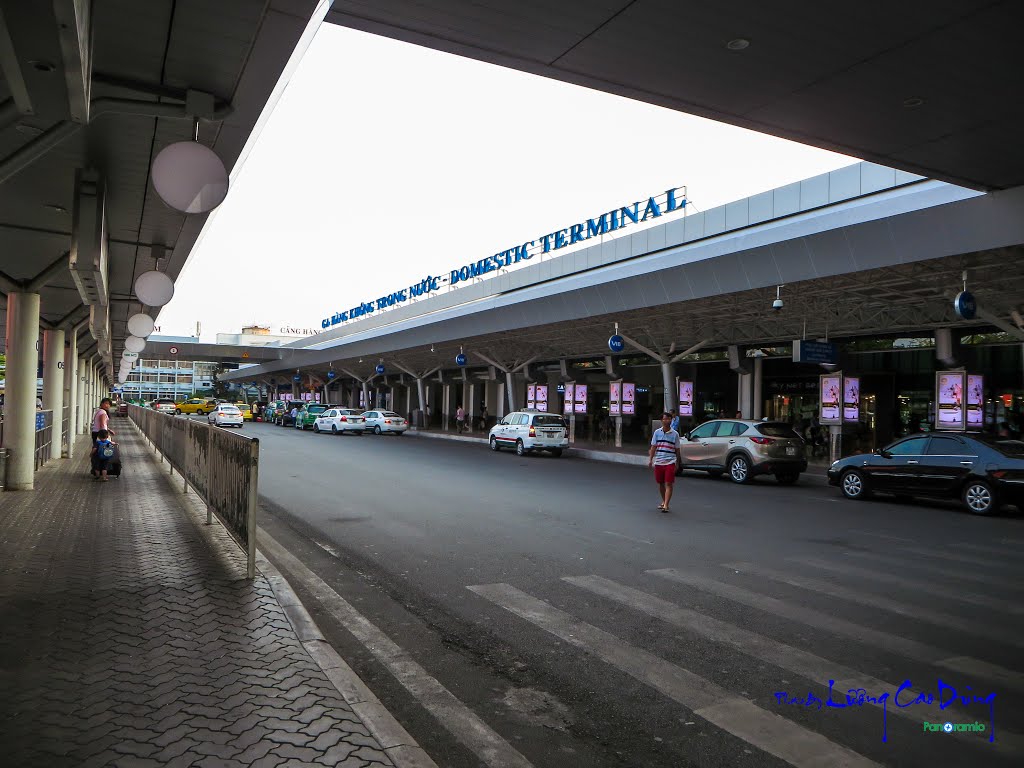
(379, 369)
(965, 306)
(296, 377)
(460, 359)
(616, 343)
(331, 375)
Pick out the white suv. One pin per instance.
(529, 431)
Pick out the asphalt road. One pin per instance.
(585, 628)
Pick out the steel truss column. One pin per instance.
(20, 389)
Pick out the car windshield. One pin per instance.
(317, 408)
(242, 407)
(548, 420)
(347, 412)
(229, 409)
(390, 414)
(777, 429)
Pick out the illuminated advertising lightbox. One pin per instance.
(567, 397)
(542, 397)
(615, 399)
(531, 396)
(628, 399)
(580, 398)
(851, 399)
(686, 398)
(975, 401)
(831, 387)
(949, 396)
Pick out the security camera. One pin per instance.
(778, 304)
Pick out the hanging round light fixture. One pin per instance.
(134, 344)
(122, 377)
(190, 177)
(141, 325)
(154, 289)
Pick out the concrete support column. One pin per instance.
(446, 393)
(53, 383)
(757, 394)
(83, 414)
(499, 400)
(71, 391)
(668, 379)
(510, 390)
(421, 394)
(743, 394)
(20, 389)
(367, 404)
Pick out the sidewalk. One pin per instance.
(587, 449)
(130, 636)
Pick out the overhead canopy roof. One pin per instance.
(928, 88)
(143, 58)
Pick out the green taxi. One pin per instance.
(308, 415)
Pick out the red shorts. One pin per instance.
(664, 473)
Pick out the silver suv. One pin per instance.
(745, 449)
(529, 431)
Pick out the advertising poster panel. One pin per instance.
(542, 397)
(949, 396)
(567, 397)
(531, 396)
(628, 399)
(615, 399)
(580, 398)
(686, 398)
(975, 401)
(831, 386)
(851, 399)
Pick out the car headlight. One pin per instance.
(834, 465)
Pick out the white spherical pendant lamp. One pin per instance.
(190, 177)
(141, 325)
(134, 344)
(154, 289)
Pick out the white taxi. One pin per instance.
(226, 415)
(339, 421)
(385, 421)
(529, 431)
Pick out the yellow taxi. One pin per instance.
(246, 410)
(197, 405)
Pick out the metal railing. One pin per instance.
(221, 467)
(44, 437)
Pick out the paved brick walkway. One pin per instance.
(130, 637)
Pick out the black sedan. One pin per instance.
(983, 472)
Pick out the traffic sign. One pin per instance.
(173, 350)
(616, 343)
(965, 306)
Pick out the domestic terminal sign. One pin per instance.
(605, 223)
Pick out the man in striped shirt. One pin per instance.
(663, 456)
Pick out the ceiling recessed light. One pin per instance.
(56, 208)
(913, 102)
(28, 130)
(42, 66)
(738, 44)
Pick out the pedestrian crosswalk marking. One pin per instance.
(742, 718)
(912, 585)
(1003, 551)
(812, 618)
(878, 601)
(934, 554)
(898, 564)
(795, 660)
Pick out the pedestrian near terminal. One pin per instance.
(103, 452)
(663, 456)
(460, 419)
(675, 421)
(483, 418)
(101, 419)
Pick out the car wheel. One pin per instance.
(787, 478)
(334, 429)
(520, 448)
(200, 412)
(316, 429)
(853, 485)
(739, 469)
(376, 430)
(177, 411)
(556, 452)
(494, 443)
(979, 498)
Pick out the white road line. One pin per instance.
(955, 572)
(795, 660)
(902, 645)
(448, 710)
(770, 732)
(327, 548)
(913, 585)
(628, 538)
(877, 601)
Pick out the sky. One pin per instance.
(384, 163)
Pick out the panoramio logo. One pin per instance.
(974, 727)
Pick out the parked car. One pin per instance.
(307, 416)
(985, 473)
(246, 410)
(529, 431)
(275, 410)
(339, 421)
(744, 449)
(226, 415)
(380, 422)
(197, 405)
(164, 406)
